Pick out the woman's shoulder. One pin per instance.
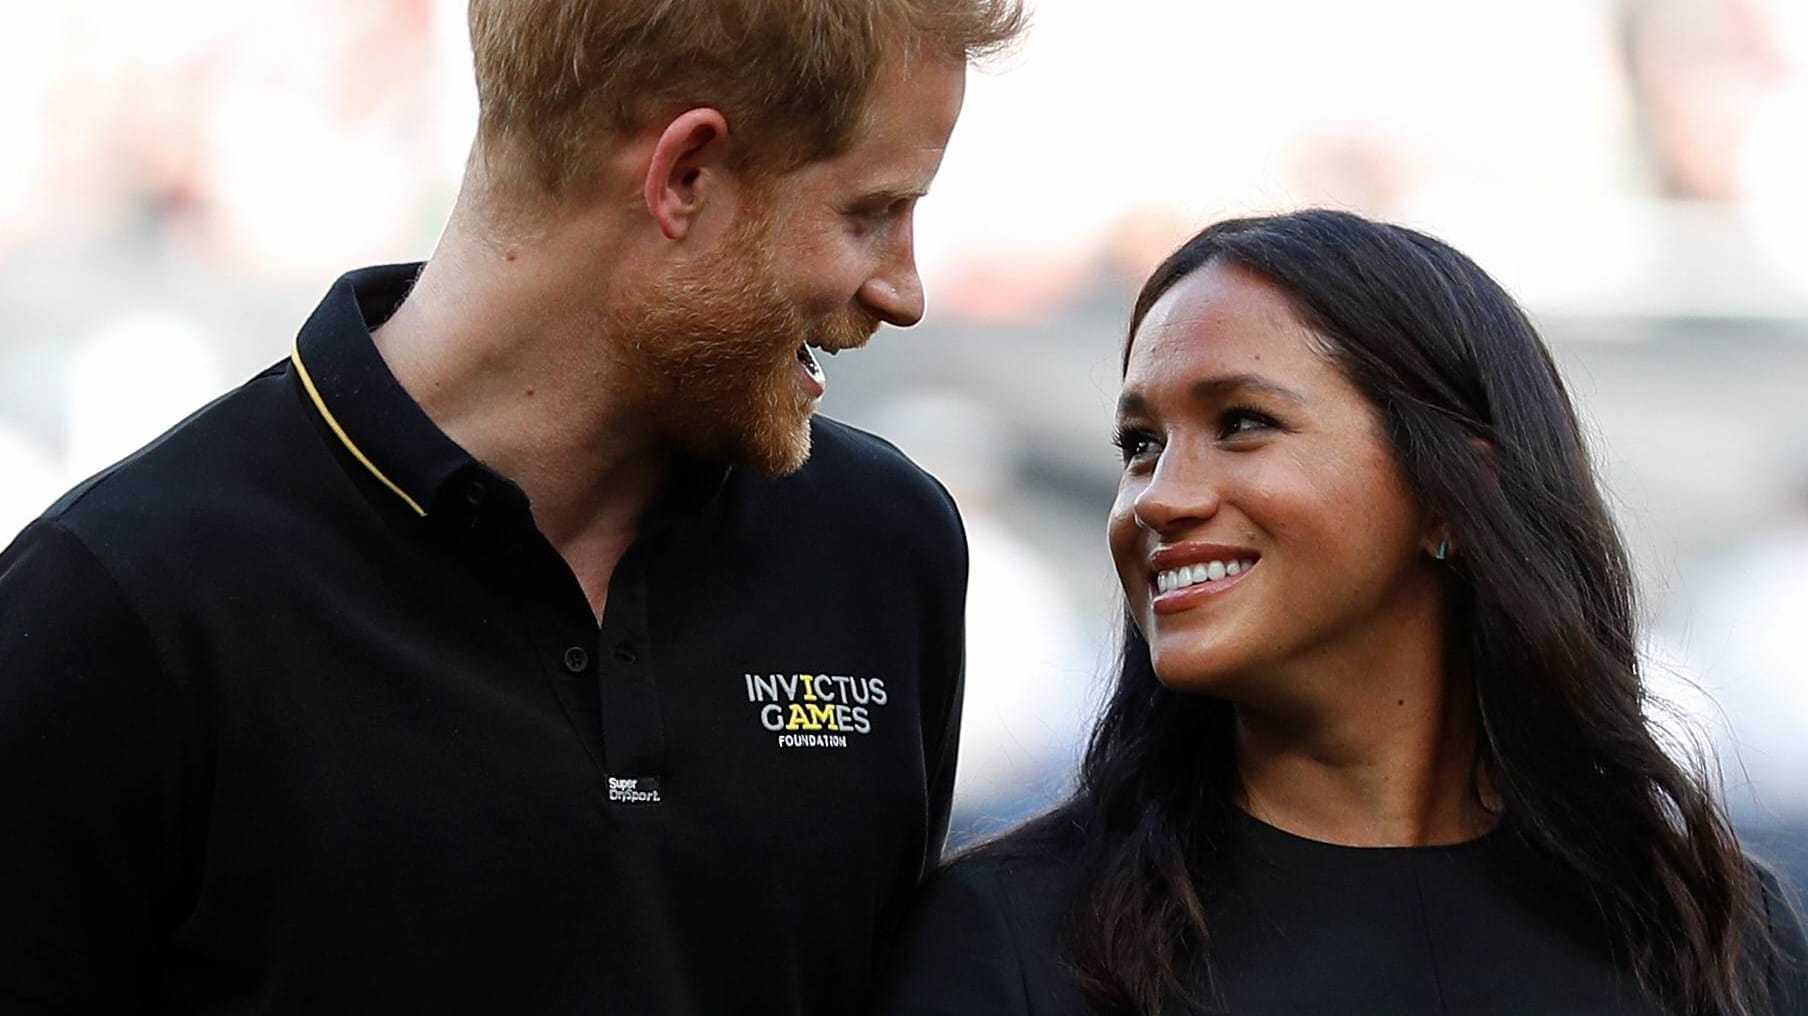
(1785, 958)
(1021, 884)
(987, 932)
(1040, 855)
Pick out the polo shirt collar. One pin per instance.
(387, 432)
(367, 409)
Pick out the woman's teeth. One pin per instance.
(1206, 571)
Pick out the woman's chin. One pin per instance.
(1196, 673)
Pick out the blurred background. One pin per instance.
(181, 182)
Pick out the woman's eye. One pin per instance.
(1245, 421)
(1133, 444)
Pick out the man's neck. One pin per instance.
(489, 348)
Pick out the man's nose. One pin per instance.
(895, 293)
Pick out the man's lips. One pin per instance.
(815, 381)
(854, 330)
(833, 346)
(850, 334)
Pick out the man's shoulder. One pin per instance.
(848, 450)
(852, 465)
(856, 495)
(855, 482)
(194, 477)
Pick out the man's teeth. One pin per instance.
(1205, 571)
(808, 359)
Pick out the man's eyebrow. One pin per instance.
(888, 194)
(1215, 389)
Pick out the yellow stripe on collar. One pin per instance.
(326, 414)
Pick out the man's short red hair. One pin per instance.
(557, 77)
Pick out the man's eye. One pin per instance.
(869, 220)
(879, 212)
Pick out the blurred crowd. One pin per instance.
(182, 180)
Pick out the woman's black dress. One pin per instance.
(1301, 927)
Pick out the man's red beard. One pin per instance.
(714, 348)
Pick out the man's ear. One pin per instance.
(691, 148)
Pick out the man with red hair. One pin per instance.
(524, 643)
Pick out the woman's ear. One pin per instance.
(686, 159)
(1437, 541)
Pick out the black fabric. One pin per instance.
(1301, 928)
(273, 740)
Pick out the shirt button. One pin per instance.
(576, 659)
(624, 653)
(475, 493)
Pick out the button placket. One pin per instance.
(633, 728)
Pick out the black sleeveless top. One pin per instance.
(1302, 927)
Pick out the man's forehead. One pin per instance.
(900, 170)
(909, 121)
(879, 166)
(916, 97)
(897, 149)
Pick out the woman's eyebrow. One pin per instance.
(1215, 389)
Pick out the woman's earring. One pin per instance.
(1443, 550)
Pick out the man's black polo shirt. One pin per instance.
(299, 712)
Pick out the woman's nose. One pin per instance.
(1180, 493)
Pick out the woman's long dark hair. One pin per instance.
(1541, 616)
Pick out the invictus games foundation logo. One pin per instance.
(816, 710)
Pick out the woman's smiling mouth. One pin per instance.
(1184, 576)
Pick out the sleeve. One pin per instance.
(957, 955)
(86, 783)
(1787, 975)
(941, 777)
(932, 546)
(946, 757)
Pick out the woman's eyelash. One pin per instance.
(1227, 423)
(1132, 442)
(1129, 442)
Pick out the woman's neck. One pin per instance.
(1389, 769)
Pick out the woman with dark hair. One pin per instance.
(1378, 741)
